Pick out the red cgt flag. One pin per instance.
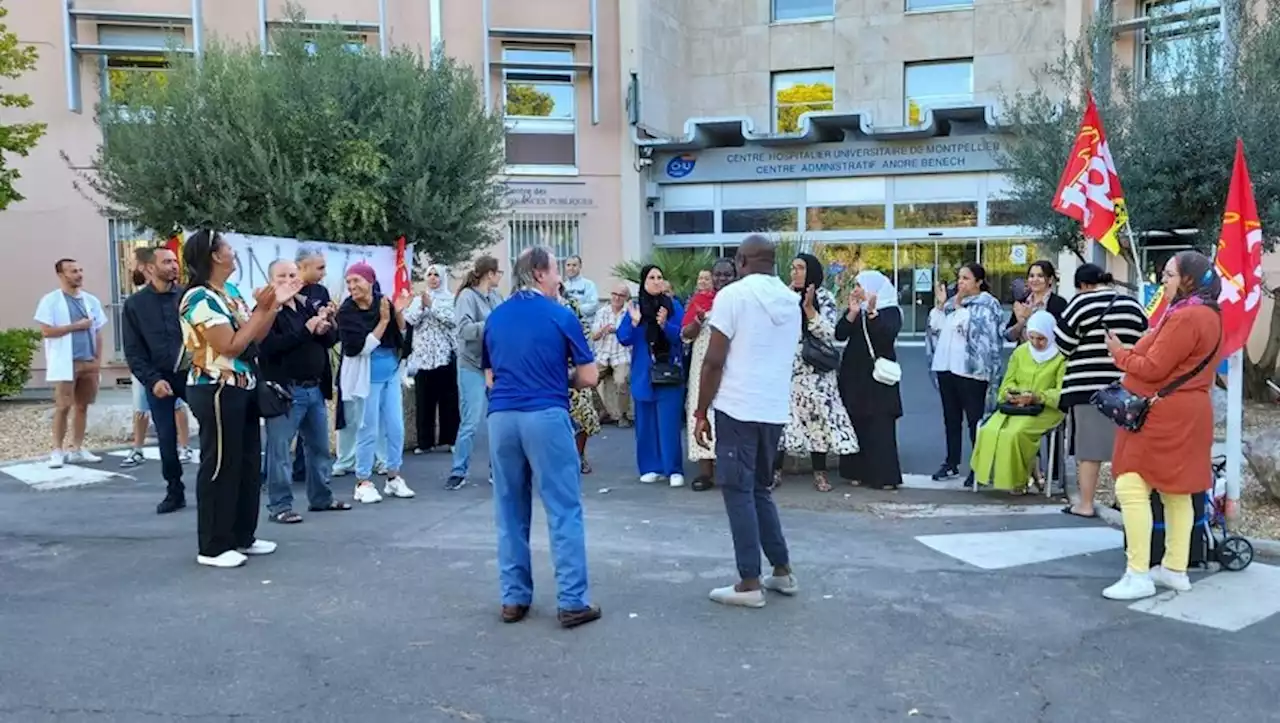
(174, 244)
(1089, 190)
(1239, 258)
(403, 284)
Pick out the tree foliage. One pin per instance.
(314, 141)
(799, 99)
(16, 138)
(524, 99)
(1172, 136)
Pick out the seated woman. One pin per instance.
(1005, 450)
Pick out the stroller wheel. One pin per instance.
(1236, 553)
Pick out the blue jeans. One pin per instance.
(162, 415)
(472, 397)
(353, 410)
(382, 423)
(308, 420)
(528, 448)
(745, 454)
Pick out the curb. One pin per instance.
(1261, 546)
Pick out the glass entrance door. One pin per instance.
(920, 266)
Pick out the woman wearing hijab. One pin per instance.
(819, 423)
(582, 406)
(1004, 454)
(1171, 453)
(370, 334)
(651, 328)
(696, 331)
(870, 328)
(432, 362)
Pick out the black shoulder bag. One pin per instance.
(820, 354)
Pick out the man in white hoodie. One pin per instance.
(746, 376)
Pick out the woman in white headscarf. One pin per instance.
(432, 362)
(1004, 454)
(870, 328)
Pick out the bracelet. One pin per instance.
(700, 414)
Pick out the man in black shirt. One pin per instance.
(154, 350)
(295, 354)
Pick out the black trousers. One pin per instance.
(436, 389)
(963, 401)
(229, 481)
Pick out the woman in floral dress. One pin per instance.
(819, 423)
(582, 408)
(694, 328)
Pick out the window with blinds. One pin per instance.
(557, 231)
(124, 238)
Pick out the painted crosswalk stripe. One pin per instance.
(922, 511)
(1012, 548)
(1230, 601)
(39, 476)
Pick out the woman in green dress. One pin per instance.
(1005, 450)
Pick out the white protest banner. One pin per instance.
(254, 255)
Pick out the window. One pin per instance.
(1002, 212)
(937, 4)
(1178, 31)
(934, 84)
(845, 218)
(355, 44)
(686, 222)
(803, 9)
(538, 105)
(128, 79)
(556, 231)
(957, 214)
(759, 220)
(797, 93)
(123, 238)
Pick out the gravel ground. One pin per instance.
(24, 433)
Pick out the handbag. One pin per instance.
(664, 374)
(1010, 409)
(885, 371)
(1128, 410)
(273, 399)
(820, 354)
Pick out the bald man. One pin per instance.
(613, 359)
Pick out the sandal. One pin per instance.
(288, 517)
(584, 467)
(332, 507)
(820, 482)
(702, 484)
(777, 480)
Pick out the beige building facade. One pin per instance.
(867, 129)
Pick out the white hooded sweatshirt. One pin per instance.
(761, 317)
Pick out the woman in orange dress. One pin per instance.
(1171, 453)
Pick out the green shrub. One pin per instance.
(17, 349)
(679, 266)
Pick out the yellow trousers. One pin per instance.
(1134, 496)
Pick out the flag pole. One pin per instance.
(1133, 254)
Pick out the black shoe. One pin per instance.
(945, 473)
(170, 503)
(455, 483)
(574, 618)
(968, 481)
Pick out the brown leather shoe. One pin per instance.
(514, 613)
(574, 618)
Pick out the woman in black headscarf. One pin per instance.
(652, 329)
(819, 423)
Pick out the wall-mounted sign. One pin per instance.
(952, 154)
(549, 196)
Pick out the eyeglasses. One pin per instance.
(616, 295)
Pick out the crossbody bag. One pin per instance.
(885, 371)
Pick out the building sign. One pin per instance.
(955, 154)
(549, 196)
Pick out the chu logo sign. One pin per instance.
(681, 166)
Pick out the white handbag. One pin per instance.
(885, 371)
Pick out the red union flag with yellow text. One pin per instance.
(1089, 190)
(403, 285)
(1239, 258)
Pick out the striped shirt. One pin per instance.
(1082, 337)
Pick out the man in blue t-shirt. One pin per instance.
(534, 350)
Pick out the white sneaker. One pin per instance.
(133, 459)
(650, 477)
(395, 487)
(677, 480)
(259, 547)
(230, 558)
(186, 456)
(730, 596)
(786, 584)
(81, 456)
(367, 493)
(57, 459)
(1170, 579)
(1133, 586)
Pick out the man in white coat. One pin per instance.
(71, 322)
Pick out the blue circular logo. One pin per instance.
(681, 166)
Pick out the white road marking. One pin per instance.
(1230, 601)
(39, 476)
(1011, 548)
(919, 511)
